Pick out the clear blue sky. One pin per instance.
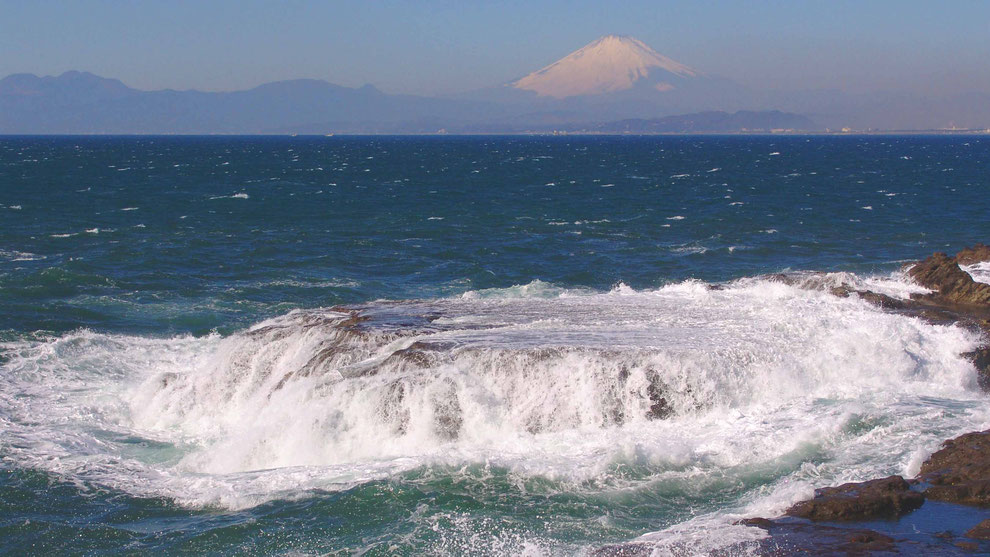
(442, 46)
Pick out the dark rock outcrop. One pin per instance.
(890, 497)
(980, 532)
(952, 285)
(975, 254)
(790, 538)
(960, 471)
(981, 360)
(786, 538)
(880, 300)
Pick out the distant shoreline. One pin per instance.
(982, 132)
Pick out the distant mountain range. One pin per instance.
(612, 85)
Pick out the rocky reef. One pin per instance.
(948, 501)
(836, 519)
(890, 497)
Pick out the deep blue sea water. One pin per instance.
(450, 345)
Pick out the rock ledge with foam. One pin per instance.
(959, 473)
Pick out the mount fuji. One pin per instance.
(608, 65)
(611, 78)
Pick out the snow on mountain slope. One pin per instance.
(609, 64)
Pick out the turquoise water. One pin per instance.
(490, 345)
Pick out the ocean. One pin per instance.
(466, 345)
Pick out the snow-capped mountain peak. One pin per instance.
(611, 63)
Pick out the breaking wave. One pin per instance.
(613, 388)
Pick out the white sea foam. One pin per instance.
(689, 383)
(979, 271)
(240, 195)
(14, 255)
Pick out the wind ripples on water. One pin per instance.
(625, 391)
(466, 345)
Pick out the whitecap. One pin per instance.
(240, 195)
(14, 255)
(979, 271)
(783, 385)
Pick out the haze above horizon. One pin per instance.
(442, 47)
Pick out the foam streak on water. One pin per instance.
(754, 388)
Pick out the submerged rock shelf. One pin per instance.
(945, 509)
(861, 518)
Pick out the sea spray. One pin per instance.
(615, 388)
(138, 369)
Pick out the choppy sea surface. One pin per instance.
(465, 345)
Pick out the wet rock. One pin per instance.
(803, 538)
(763, 523)
(420, 354)
(786, 538)
(794, 536)
(783, 278)
(974, 254)
(980, 532)
(447, 414)
(392, 408)
(166, 379)
(969, 493)
(953, 285)
(981, 360)
(884, 498)
(960, 471)
(944, 535)
(660, 408)
(882, 300)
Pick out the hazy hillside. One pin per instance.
(612, 85)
